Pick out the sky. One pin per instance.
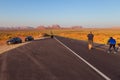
(86, 13)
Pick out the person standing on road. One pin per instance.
(90, 40)
(111, 42)
(52, 34)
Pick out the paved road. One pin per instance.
(109, 64)
(47, 59)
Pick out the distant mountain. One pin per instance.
(16, 28)
(23, 28)
(1, 28)
(41, 27)
(76, 27)
(49, 27)
(56, 26)
(115, 27)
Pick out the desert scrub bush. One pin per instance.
(45, 35)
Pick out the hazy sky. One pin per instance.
(87, 13)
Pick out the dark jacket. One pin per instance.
(90, 36)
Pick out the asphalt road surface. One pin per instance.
(49, 59)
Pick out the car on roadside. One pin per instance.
(29, 38)
(14, 40)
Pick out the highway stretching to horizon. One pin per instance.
(59, 59)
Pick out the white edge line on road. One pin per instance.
(95, 69)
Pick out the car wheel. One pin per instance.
(8, 43)
(27, 40)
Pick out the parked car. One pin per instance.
(29, 38)
(14, 40)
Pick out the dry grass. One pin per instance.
(7, 34)
(101, 35)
